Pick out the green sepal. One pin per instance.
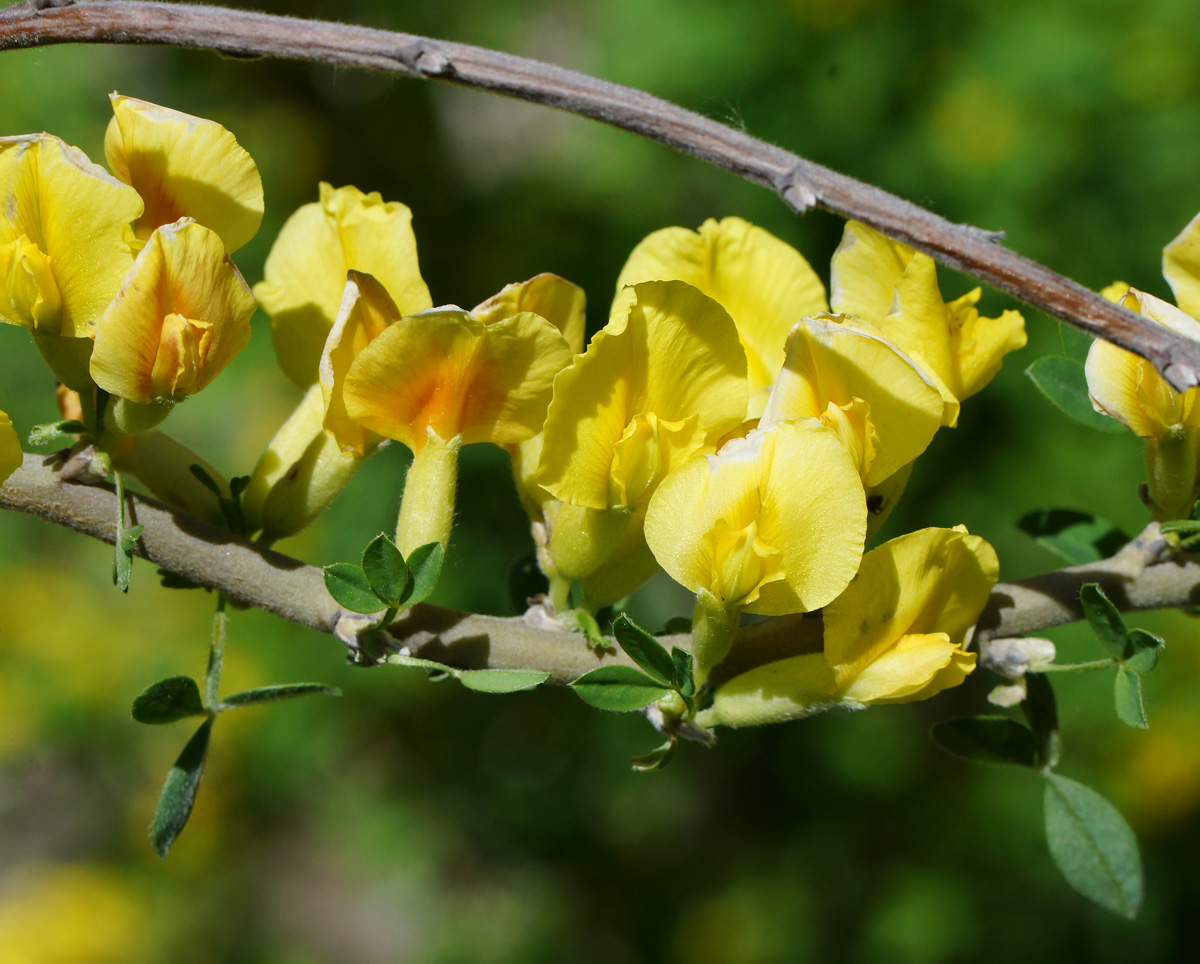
(168, 700)
(1041, 712)
(656, 759)
(1063, 382)
(280, 691)
(1141, 651)
(1093, 846)
(179, 791)
(1103, 617)
(50, 433)
(501, 680)
(385, 570)
(350, 588)
(644, 650)
(987, 739)
(1127, 695)
(619, 689)
(425, 566)
(1076, 537)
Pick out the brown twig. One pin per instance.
(799, 182)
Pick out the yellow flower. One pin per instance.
(1131, 390)
(664, 380)
(764, 284)
(181, 315)
(306, 270)
(895, 635)
(441, 379)
(557, 300)
(10, 448)
(63, 220)
(1181, 267)
(895, 288)
(183, 166)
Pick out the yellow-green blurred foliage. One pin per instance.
(412, 821)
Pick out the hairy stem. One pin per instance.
(800, 183)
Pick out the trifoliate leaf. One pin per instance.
(1093, 846)
(349, 586)
(1063, 382)
(168, 700)
(618, 688)
(280, 691)
(1127, 694)
(385, 569)
(1104, 619)
(987, 739)
(644, 650)
(1141, 651)
(501, 680)
(179, 791)
(1076, 537)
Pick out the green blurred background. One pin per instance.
(413, 821)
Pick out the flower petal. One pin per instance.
(63, 252)
(10, 448)
(306, 270)
(184, 166)
(764, 284)
(1181, 267)
(906, 670)
(181, 316)
(786, 689)
(557, 300)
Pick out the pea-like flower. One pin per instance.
(764, 283)
(1131, 390)
(306, 270)
(895, 288)
(183, 166)
(10, 448)
(895, 635)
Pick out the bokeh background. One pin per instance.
(415, 821)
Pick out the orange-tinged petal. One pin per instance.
(63, 219)
(836, 359)
(10, 448)
(306, 270)
(445, 371)
(366, 310)
(669, 351)
(557, 300)
(181, 316)
(773, 523)
(764, 283)
(184, 166)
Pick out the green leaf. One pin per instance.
(656, 759)
(179, 791)
(987, 739)
(1076, 537)
(618, 689)
(644, 650)
(586, 624)
(1127, 694)
(386, 572)
(1063, 382)
(349, 586)
(1141, 651)
(168, 700)
(123, 556)
(425, 563)
(1104, 619)
(1093, 846)
(280, 691)
(53, 432)
(398, 659)
(683, 680)
(501, 680)
(677, 625)
(1041, 712)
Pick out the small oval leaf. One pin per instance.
(179, 791)
(1103, 617)
(987, 739)
(1093, 846)
(1127, 694)
(501, 680)
(1063, 382)
(349, 586)
(280, 691)
(618, 689)
(425, 563)
(1141, 652)
(168, 700)
(644, 649)
(384, 567)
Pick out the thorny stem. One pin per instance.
(1147, 574)
(801, 183)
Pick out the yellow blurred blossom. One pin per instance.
(10, 448)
